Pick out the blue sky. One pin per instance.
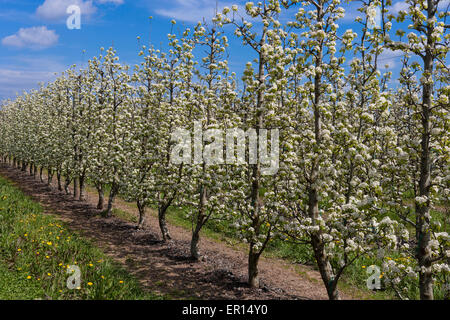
(36, 43)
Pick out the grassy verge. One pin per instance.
(13, 286)
(36, 252)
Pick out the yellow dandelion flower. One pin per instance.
(49, 274)
(90, 283)
(49, 243)
(29, 277)
(19, 250)
(363, 267)
(120, 281)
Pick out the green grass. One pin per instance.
(36, 250)
(13, 286)
(124, 215)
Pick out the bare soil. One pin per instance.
(165, 268)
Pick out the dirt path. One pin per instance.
(165, 268)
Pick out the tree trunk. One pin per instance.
(49, 177)
(82, 188)
(35, 171)
(58, 177)
(31, 169)
(101, 197)
(66, 185)
(423, 210)
(195, 254)
(325, 269)
(321, 257)
(112, 196)
(141, 208)
(253, 257)
(201, 220)
(163, 224)
(40, 174)
(76, 190)
(423, 221)
(253, 273)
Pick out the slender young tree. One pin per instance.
(421, 118)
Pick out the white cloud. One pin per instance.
(56, 9)
(34, 38)
(351, 12)
(21, 73)
(10, 80)
(402, 5)
(444, 5)
(191, 10)
(390, 58)
(398, 6)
